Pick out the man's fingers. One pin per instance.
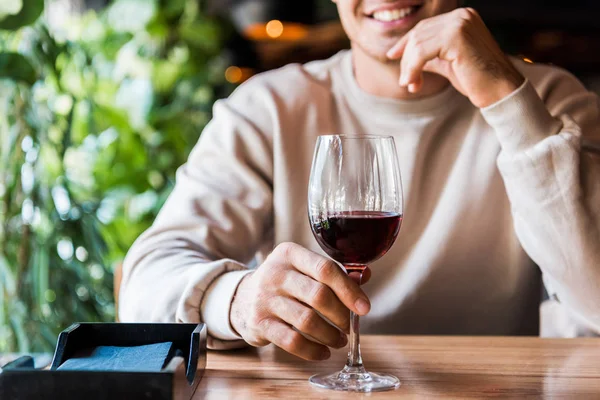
(307, 321)
(283, 336)
(319, 296)
(418, 46)
(396, 51)
(443, 68)
(426, 27)
(438, 66)
(326, 271)
(416, 86)
(414, 59)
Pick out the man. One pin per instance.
(494, 179)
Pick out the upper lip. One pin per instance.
(392, 6)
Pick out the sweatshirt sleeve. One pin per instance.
(188, 264)
(554, 188)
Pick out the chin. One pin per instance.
(377, 51)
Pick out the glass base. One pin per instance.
(355, 380)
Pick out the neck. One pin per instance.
(380, 78)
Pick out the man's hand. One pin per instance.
(458, 46)
(289, 290)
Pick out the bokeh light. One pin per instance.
(274, 28)
(233, 74)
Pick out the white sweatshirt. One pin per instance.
(488, 194)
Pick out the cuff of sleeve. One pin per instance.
(216, 305)
(521, 119)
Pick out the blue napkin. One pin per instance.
(147, 358)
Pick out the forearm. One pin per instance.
(179, 285)
(166, 284)
(555, 196)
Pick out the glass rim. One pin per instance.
(353, 137)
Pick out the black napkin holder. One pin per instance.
(178, 380)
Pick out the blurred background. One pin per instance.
(101, 101)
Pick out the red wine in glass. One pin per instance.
(357, 238)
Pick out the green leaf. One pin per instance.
(19, 330)
(204, 34)
(7, 278)
(29, 13)
(15, 66)
(158, 27)
(165, 75)
(80, 125)
(50, 164)
(173, 8)
(40, 269)
(105, 116)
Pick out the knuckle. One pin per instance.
(285, 249)
(262, 277)
(292, 342)
(472, 11)
(467, 17)
(263, 271)
(255, 320)
(260, 299)
(461, 29)
(320, 294)
(290, 277)
(420, 25)
(417, 51)
(412, 35)
(325, 269)
(464, 13)
(263, 325)
(307, 321)
(254, 338)
(350, 291)
(284, 280)
(277, 277)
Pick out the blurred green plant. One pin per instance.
(96, 114)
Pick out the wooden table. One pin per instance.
(428, 367)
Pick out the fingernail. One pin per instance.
(403, 81)
(412, 88)
(343, 340)
(325, 354)
(362, 306)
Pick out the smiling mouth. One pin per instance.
(393, 15)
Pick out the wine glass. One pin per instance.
(355, 211)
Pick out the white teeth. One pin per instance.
(393, 15)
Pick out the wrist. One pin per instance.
(236, 312)
(508, 82)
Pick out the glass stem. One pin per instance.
(354, 366)
(354, 357)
